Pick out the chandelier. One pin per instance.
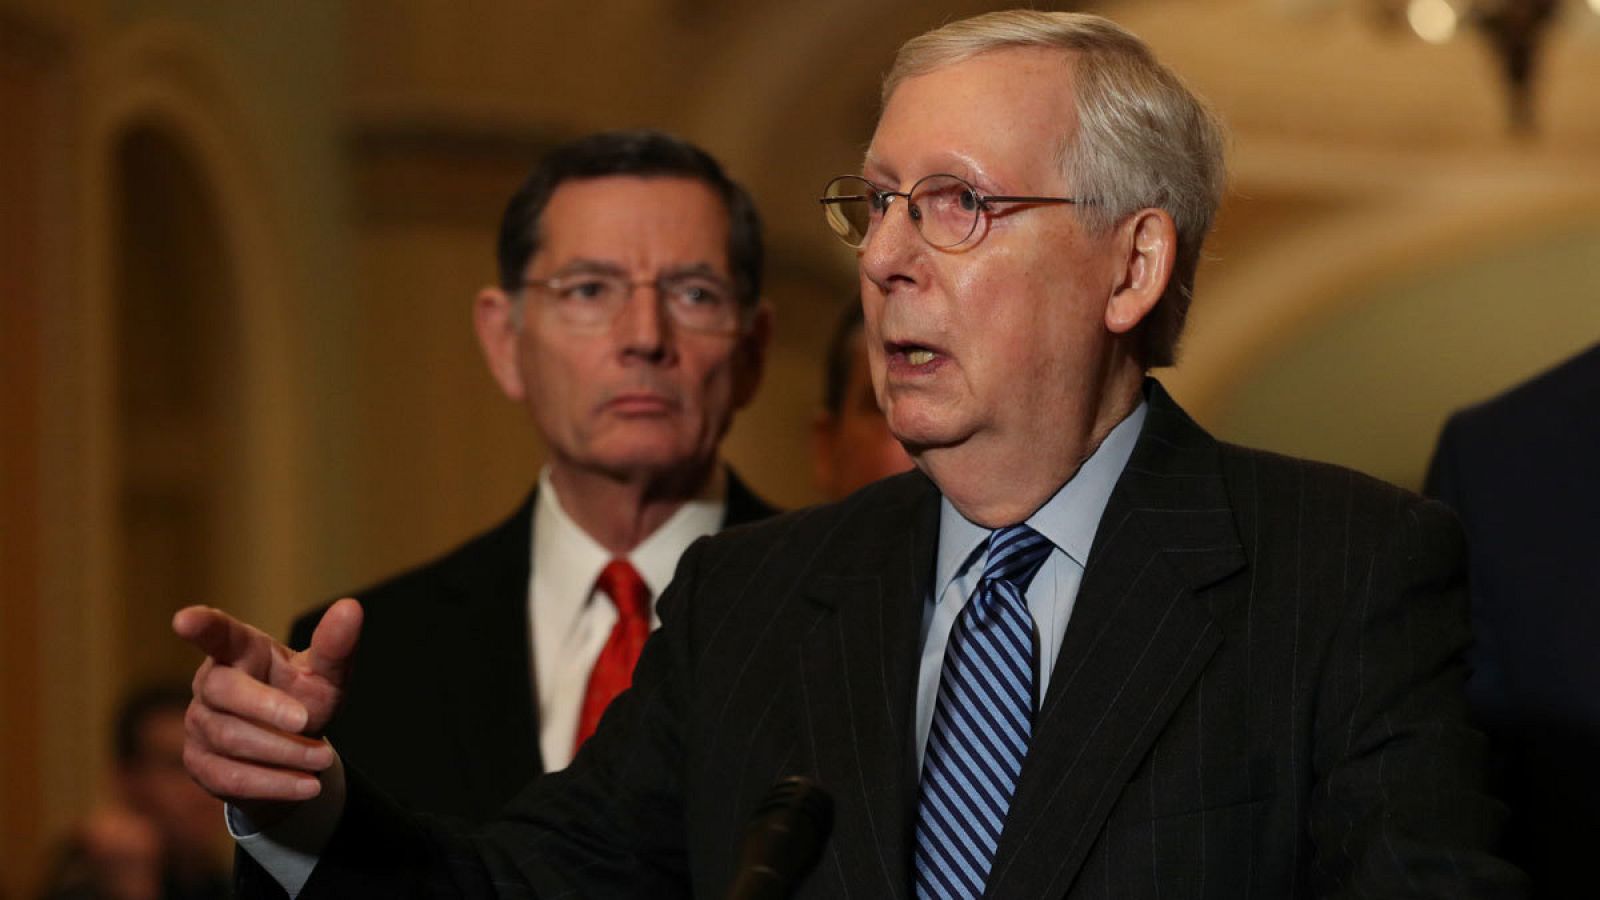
(1515, 31)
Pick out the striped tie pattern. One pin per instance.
(982, 720)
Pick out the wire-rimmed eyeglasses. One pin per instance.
(945, 208)
(589, 300)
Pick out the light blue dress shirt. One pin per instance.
(1069, 519)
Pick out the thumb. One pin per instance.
(334, 642)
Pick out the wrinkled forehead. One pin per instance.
(1002, 113)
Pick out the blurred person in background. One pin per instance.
(628, 324)
(161, 837)
(1519, 470)
(851, 445)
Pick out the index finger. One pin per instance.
(216, 634)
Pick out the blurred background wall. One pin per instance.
(239, 242)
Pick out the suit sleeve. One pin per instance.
(610, 825)
(1400, 798)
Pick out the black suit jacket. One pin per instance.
(1520, 471)
(464, 743)
(1259, 695)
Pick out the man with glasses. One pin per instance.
(1085, 651)
(627, 322)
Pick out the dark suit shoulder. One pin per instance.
(744, 505)
(839, 538)
(469, 570)
(1532, 409)
(1526, 450)
(879, 501)
(1352, 508)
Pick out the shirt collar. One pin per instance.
(656, 557)
(1068, 519)
(567, 561)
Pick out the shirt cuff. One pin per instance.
(288, 849)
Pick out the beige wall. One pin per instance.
(1387, 254)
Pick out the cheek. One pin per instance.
(711, 378)
(553, 398)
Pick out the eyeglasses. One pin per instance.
(945, 208)
(590, 301)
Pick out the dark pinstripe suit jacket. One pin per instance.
(1259, 695)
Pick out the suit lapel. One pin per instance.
(491, 689)
(1137, 641)
(860, 679)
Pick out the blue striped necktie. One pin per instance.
(982, 720)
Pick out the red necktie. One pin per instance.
(613, 671)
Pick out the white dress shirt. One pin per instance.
(571, 621)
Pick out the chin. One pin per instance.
(652, 460)
(918, 433)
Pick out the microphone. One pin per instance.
(783, 840)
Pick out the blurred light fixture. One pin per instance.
(1514, 29)
(1433, 20)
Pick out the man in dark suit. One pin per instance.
(632, 398)
(1519, 471)
(1085, 651)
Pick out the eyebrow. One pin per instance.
(586, 266)
(871, 163)
(693, 270)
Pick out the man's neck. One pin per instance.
(995, 482)
(619, 513)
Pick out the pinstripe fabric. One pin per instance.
(1258, 698)
(981, 722)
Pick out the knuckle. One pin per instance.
(214, 731)
(234, 781)
(194, 719)
(202, 768)
(193, 760)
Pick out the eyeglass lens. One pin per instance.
(943, 207)
(593, 300)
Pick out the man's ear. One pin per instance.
(1147, 244)
(750, 357)
(496, 318)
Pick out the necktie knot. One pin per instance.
(620, 581)
(1016, 553)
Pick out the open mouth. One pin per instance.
(916, 356)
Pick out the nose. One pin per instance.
(642, 326)
(893, 247)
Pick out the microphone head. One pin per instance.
(784, 840)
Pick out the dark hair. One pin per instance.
(642, 153)
(137, 708)
(836, 374)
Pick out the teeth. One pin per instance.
(918, 357)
